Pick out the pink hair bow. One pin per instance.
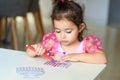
(62, 1)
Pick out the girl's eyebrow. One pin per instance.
(65, 29)
(68, 29)
(57, 28)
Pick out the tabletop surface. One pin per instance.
(12, 59)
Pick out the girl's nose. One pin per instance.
(62, 35)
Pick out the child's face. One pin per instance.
(66, 32)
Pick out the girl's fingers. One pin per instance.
(39, 49)
(68, 57)
(65, 57)
(43, 51)
(71, 57)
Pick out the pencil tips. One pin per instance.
(53, 61)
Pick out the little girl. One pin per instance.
(66, 41)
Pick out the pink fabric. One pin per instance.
(91, 43)
(50, 42)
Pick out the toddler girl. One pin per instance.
(66, 41)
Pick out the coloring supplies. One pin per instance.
(30, 72)
(44, 55)
(58, 64)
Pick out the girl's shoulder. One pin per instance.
(50, 42)
(92, 43)
(49, 35)
(49, 38)
(92, 38)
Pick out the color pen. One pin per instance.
(44, 55)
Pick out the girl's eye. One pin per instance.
(57, 31)
(68, 31)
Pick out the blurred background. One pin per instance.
(101, 16)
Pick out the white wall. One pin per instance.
(46, 8)
(96, 11)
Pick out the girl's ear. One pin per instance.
(81, 27)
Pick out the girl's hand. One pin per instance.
(30, 53)
(71, 57)
(39, 49)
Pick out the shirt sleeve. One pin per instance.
(50, 42)
(92, 43)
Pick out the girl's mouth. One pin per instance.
(64, 41)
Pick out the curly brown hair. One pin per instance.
(69, 10)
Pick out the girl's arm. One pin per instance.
(97, 57)
(37, 50)
(46, 44)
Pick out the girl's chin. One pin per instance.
(65, 44)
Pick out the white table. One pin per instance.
(10, 59)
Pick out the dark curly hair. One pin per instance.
(69, 10)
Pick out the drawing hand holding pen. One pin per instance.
(44, 55)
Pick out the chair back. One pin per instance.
(10, 8)
(33, 6)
